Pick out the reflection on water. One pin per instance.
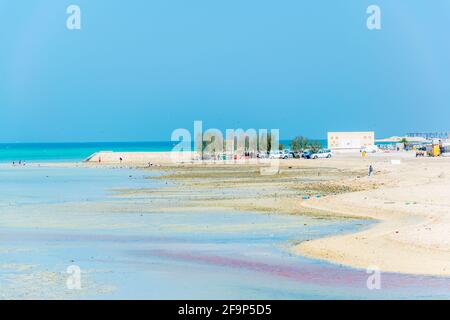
(56, 217)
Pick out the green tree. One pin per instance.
(404, 141)
(266, 140)
(269, 142)
(314, 146)
(299, 143)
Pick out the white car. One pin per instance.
(278, 155)
(324, 153)
(370, 149)
(288, 153)
(262, 155)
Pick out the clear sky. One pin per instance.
(139, 69)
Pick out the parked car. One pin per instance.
(262, 155)
(370, 149)
(306, 154)
(296, 154)
(288, 153)
(323, 153)
(278, 155)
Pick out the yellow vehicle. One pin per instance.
(434, 150)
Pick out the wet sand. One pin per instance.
(410, 201)
(150, 245)
(156, 225)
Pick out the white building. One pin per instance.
(348, 141)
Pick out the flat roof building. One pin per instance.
(350, 140)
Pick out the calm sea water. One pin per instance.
(56, 217)
(80, 151)
(73, 151)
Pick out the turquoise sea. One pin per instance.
(79, 151)
(72, 151)
(54, 217)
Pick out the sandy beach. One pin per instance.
(224, 150)
(308, 231)
(412, 204)
(410, 201)
(135, 234)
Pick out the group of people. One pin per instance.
(19, 163)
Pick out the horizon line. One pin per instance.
(127, 141)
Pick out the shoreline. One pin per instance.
(409, 202)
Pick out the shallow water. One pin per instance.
(73, 151)
(44, 152)
(52, 218)
(41, 184)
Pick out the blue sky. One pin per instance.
(139, 69)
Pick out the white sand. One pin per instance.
(412, 203)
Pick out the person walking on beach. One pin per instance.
(370, 170)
